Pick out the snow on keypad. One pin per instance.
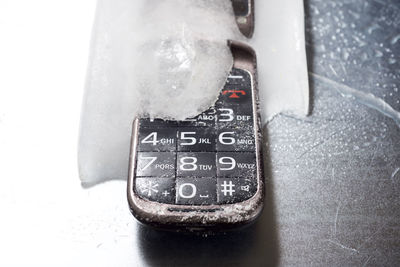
(205, 160)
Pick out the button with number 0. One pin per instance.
(195, 191)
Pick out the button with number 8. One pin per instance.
(196, 164)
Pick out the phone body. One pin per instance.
(205, 172)
(244, 13)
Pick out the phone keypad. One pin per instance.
(205, 160)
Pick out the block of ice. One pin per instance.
(169, 58)
(282, 65)
(165, 59)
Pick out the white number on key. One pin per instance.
(227, 161)
(190, 162)
(226, 140)
(150, 139)
(190, 140)
(228, 114)
(151, 161)
(193, 188)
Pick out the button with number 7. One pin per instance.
(156, 164)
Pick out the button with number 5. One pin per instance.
(196, 139)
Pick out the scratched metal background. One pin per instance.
(334, 180)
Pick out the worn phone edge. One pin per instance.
(219, 216)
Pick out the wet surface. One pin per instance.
(335, 174)
(333, 178)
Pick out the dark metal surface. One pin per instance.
(333, 179)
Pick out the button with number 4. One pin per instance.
(160, 139)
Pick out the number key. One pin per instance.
(196, 191)
(196, 139)
(161, 139)
(235, 140)
(156, 164)
(200, 164)
(234, 116)
(241, 165)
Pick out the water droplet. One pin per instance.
(345, 55)
(395, 39)
(378, 53)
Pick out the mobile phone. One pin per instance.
(244, 13)
(205, 172)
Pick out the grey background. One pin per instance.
(332, 178)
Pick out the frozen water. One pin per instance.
(169, 59)
(281, 57)
(160, 58)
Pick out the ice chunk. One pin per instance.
(282, 65)
(183, 57)
(165, 59)
(169, 58)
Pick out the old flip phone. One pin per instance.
(205, 172)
